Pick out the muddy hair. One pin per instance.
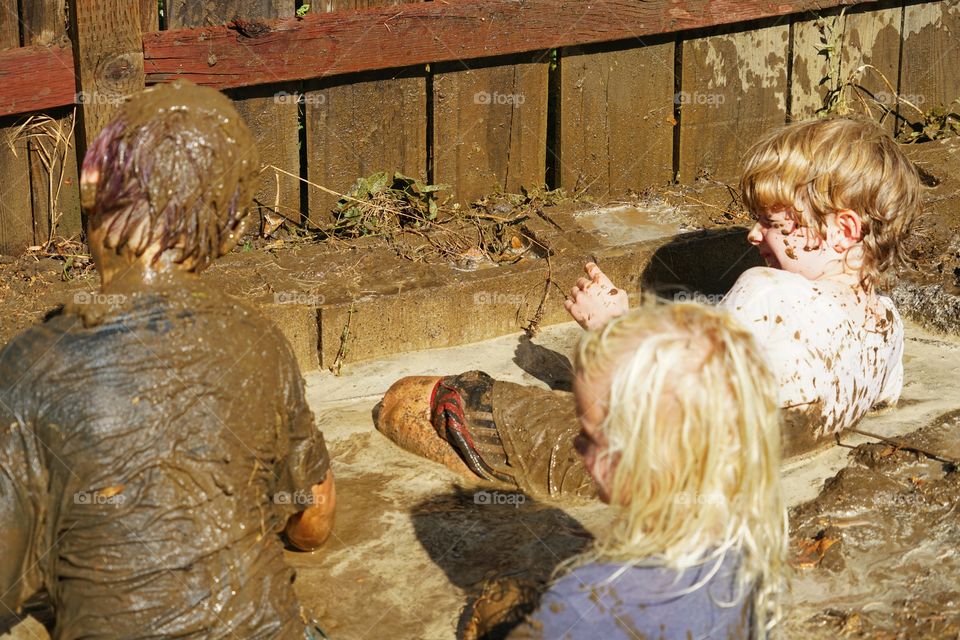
(693, 441)
(815, 168)
(175, 170)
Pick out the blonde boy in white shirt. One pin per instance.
(833, 201)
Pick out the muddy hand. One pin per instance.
(595, 300)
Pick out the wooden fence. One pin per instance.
(606, 98)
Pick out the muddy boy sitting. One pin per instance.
(834, 201)
(155, 440)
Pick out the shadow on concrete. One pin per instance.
(550, 367)
(38, 606)
(475, 535)
(700, 265)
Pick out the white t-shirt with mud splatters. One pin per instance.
(822, 348)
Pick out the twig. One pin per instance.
(533, 326)
(344, 336)
(900, 444)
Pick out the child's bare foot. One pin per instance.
(404, 417)
(595, 301)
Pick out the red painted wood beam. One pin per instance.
(325, 44)
(36, 78)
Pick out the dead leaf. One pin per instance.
(813, 550)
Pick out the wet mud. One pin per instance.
(174, 170)
(875, 553)
(929, 293)
(172, 525)
(414, 542)
(147, 471)
(537, 427)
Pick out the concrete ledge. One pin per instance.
(404, 306)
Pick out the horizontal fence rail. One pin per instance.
(253, 52)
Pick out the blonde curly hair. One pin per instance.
(815, 168)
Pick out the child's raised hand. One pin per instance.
(595, 301)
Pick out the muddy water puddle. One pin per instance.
(617, 225)
(876, 552)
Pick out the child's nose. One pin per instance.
(756, 234)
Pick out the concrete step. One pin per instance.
(341, 304)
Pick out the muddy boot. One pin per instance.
(404, 417)
(448, 420)
(502, 605)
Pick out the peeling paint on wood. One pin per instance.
(869, 50)
(734, 88)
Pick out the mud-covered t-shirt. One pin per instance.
(147, 464)
(829, 362)
(613, 601)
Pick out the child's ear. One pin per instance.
(848, 230)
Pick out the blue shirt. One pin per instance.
(648, 603)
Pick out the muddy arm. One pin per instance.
(310, 528)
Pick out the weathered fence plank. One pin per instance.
(54, 183)
(864, 52)
(930, 72)
(358, 125)
(149, 16)
(357, 128)
(734, 87)
(19, 69)
(490, 125)
(16, 218)
(9, 25)
(108, 58)
(616, 117)
(270, 115)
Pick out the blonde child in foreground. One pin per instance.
(833, 202)
(680, 433)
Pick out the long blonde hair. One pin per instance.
(692, 429)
